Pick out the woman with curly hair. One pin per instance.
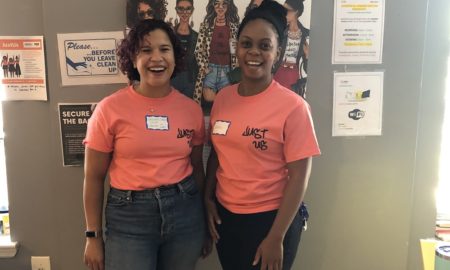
(149, 138)
(138, 10)
(215, 48)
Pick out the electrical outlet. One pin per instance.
(40, 263)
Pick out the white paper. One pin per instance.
(358, 103)
(358, 32)
(23, 68)
(89, 58)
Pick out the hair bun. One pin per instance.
(273, 7)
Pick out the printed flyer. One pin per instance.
(358, 103)
(358, 32)
(23, 64)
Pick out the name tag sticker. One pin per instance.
(221, 127)
(154, 122)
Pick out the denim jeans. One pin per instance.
(217, 77)
(241, 235)
(158, 229)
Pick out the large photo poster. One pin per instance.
(208, 32)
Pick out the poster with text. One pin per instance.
(73, 120)
(23, 64)
(358, 103)
(358, 32)
(208, 33)
(89, 58)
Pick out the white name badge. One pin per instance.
(154, 122)
(221, 127)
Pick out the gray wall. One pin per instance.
(371, 198)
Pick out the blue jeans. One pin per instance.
(217, 77)
(161, 228)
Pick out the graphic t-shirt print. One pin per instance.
(259, 135)
(185, 133)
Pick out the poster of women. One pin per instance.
(208, 31)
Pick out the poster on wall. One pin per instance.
(89, 58)
(358, 31)
(358, 103)
(208, 32)
(23, 64)
(73, 118)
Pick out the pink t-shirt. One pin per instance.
(255, 137)
(151, 138)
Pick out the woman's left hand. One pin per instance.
(270, 253)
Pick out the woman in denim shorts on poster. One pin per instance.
(148, 138)
(215, 50)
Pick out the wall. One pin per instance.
(371, 198)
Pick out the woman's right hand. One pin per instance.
(213, 219)
(94, 256)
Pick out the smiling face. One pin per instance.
(184, 10)
(220, 7)
(257, 50)
(155, 60)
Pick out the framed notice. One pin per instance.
(89, 58)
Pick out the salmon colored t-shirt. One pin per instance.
(255, 137)
(151, 138)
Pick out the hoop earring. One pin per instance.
(176, 20)
(192, 22)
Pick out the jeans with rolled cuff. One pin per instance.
(157, 229)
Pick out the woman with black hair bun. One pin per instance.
(263, 142)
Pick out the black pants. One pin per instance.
(241, 235)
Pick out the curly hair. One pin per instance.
(159, 8)
(231, 15)
(131, 44)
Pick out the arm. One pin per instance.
(197, 165)
(270, 250)
(95, 168)
(210, 195)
